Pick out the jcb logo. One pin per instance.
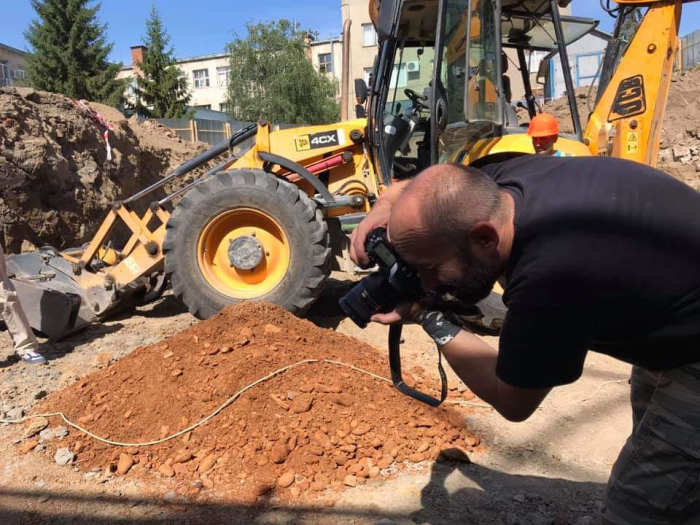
(630, 99)
(324, 139)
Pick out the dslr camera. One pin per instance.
(380, 292)
(393, 283)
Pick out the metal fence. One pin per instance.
(209, 131)
(690, 50)
(204, 130)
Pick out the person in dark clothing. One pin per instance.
(594, 254)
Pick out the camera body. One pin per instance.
(380, 292)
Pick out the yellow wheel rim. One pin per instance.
(215, 261)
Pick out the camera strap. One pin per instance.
(397, 378)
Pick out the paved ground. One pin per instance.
(549, 469)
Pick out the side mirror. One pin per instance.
(361, 90)
(360, 111)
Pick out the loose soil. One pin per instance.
(550, 469)
(679, 153)
(56, 183)
(315, 427)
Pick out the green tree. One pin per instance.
(70, 50)
(161, 90)
(272, 78)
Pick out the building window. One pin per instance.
(5, 79)
(223, 107)
(222, 75)
(204, 106)
(369, 35)
(325, 63)
(19, 74)
(201, 78)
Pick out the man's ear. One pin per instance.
(484, 236)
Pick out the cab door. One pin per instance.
(467, 97)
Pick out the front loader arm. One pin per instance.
(628, 117)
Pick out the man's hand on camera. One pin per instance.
(377, 218)
(404, 313)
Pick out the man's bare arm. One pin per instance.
(474, 361)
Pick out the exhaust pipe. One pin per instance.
(345, 78)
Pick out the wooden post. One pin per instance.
(227, 129)
(679, 55)
(194, 133)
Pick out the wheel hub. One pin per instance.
(245, 252)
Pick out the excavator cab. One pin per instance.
(440, 92)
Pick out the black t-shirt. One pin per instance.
(606, 257)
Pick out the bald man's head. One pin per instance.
(443, 203)
(446, 225)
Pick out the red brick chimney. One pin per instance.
(137, 54)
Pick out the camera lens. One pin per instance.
(359, 303)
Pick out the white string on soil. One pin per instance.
(200, 422)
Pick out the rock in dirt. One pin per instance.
(286, 479)
(34, 426)
(28, 446)
(208, 462)
(166, 470)
(302, 403)
(344, 400)
(272, 329)
(278, 453)
(125, 463)
(261, 489)
(63, 456)
(350, 480)
(14, 414)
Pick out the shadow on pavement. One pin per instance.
(43, 507)
(459, 493)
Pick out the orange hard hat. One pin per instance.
(543, 125)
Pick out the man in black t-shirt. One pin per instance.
(594, 254)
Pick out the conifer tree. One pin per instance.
(70, 50)
(161, 90)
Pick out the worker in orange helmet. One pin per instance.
(544, 130)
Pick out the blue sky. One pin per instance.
(204, 26)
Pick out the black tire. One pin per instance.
(296, 214)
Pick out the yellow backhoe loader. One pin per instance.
(264, 224)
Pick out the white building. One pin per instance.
(585, 59)
(208, 75)
(12, 66)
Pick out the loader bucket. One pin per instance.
(54, 299)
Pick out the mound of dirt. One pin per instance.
(56, 183)
(679, 154)
(316, 426)
(680, 138)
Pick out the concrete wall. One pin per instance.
(12, 72)
(361, 57)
